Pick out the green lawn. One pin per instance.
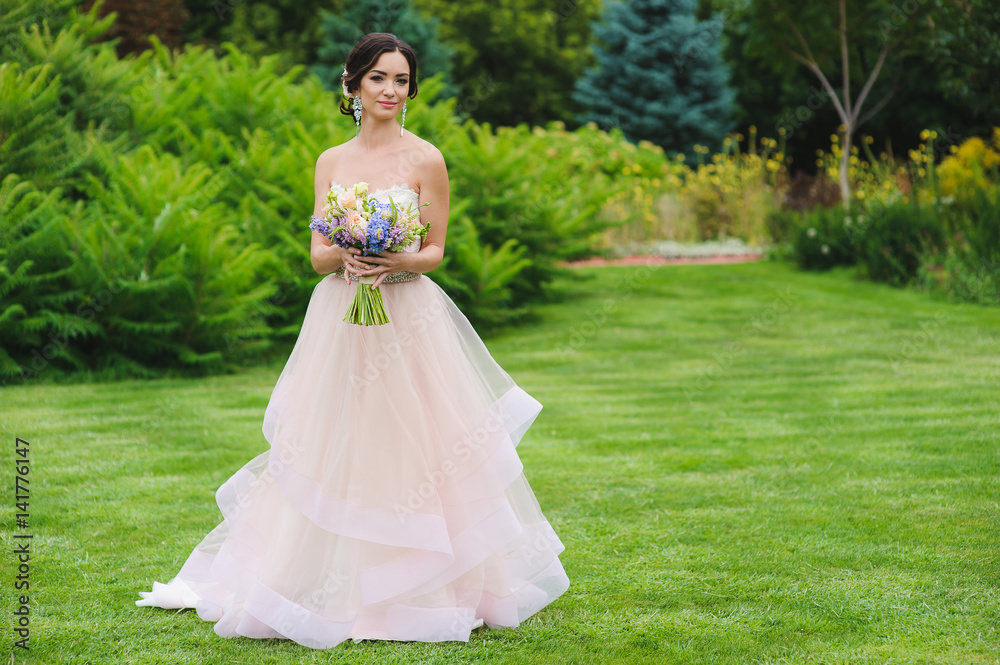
(747, 464)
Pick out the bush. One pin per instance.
(972, 216)
(973, 166)
(961, 276)
(894, 241)
(32, 132)
(822, 240)
(188, 282)
(164, 225)
(727, 196)
(968, 270)
(549, 206)
(43, 317)
(782, 225)
(479, 277)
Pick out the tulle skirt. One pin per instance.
(391, 503)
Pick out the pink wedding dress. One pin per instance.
(391, 503)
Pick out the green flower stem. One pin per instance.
(367, 308)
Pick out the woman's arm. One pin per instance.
(324, 255)
(434, 188)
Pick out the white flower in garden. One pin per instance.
(811, 233)
(825, 249)
(847, 221)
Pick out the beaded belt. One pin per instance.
(393, 278)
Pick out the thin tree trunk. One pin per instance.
(845, 159)
(847, 109)
(845, 162)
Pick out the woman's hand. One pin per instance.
(354, 262)
(383, 264)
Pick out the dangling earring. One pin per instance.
(356, 105)
(404, 119)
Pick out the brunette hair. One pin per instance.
(366, 53)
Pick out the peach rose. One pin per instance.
(347, 200)
(353, 218)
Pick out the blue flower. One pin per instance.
(378, 229)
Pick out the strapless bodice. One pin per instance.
(402, 194)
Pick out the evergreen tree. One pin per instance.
(659, 75)
(286, 27)
(342, 31)
(516, 60)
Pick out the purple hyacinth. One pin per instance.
(319, 225)
(342, 238)
(397, 233)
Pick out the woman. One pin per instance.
(391, 503)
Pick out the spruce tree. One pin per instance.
(659, 75)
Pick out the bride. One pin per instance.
(391, 503)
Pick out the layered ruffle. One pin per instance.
(391, 503)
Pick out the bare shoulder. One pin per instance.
(329, 156)
(432, 173)
(429, 154)
(326, 165)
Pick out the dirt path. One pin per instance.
(650, 260)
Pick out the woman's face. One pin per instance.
(385, 86)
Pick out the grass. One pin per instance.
(747, 464)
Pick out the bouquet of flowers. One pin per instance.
(354, 218)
